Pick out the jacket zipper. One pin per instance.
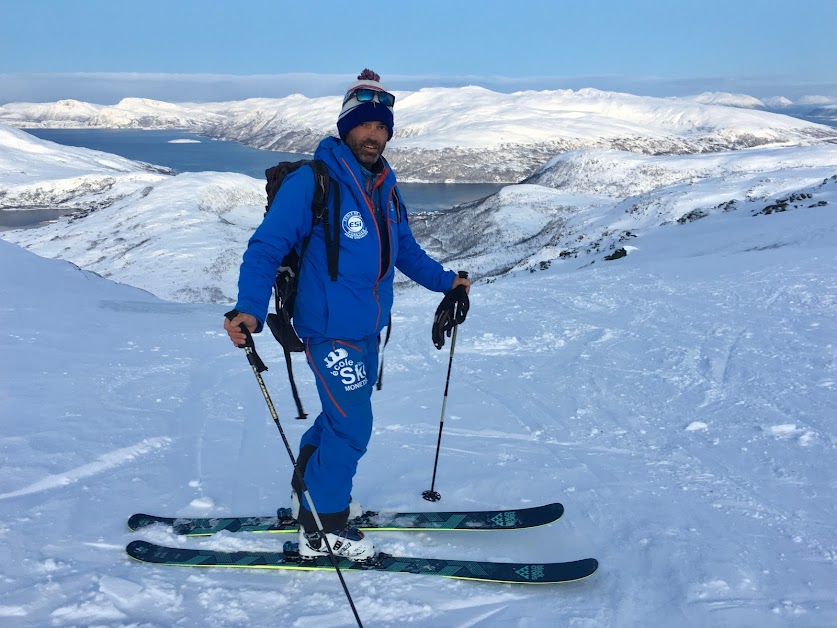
(371, 206)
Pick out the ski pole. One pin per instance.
(258, 367)
(431, 495)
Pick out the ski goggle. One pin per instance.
(367, 94)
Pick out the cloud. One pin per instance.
(109, 88)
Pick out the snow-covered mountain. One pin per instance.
(127, 214)
(467, 134)
(587, 205)
(24, 157)
(39, 174)
(129, 113)
(181, 237)
(726, 99)
(143, 113)
(63, 113)
(777, 102)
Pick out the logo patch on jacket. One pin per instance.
(352, 374)
(353, 225)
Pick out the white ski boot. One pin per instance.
(347, 543)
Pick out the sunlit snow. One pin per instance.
(677, 399)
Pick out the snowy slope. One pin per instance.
(678, 401)
(24, 157)
(36, 173)
(132, 221)
(180, 237)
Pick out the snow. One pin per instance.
(678, 401)
(727, 99)
(581, 205)
(777, 102)
(467, 134)
(816, 100)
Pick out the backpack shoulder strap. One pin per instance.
(322, 183)
(396, 200)
(319, 207)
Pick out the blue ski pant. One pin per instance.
(345, 372)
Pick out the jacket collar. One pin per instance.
(343, 164)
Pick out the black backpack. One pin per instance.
(287, 277)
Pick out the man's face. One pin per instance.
(367, 141)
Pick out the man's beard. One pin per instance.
(367, 158)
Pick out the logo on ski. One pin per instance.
(505, 519)
(530, 572)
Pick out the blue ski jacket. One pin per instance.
(358, 304)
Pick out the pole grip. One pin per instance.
(249, 345)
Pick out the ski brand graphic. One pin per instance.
(505, 519)
(353, 225)
(335, 356)
(530, 572)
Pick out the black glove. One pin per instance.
(451, 312)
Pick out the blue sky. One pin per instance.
(221, 49)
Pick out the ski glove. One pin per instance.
(451, 312)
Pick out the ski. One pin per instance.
(486, 571)
(370, 520)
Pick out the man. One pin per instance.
(339, 321)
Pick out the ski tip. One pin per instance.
(569, 572)
(589, 567)
(143, 551)
(141, 520)
(138, 520)
(136, 549)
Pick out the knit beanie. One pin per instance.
(354, 112)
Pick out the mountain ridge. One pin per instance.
(467, 134)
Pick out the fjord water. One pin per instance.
(188, 152)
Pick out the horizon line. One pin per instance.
(110, 87)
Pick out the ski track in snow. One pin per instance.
(104, 463)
